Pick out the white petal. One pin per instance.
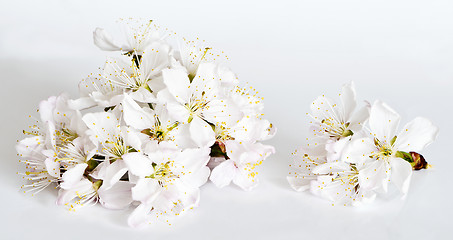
(52, 167)
(331, 167)
(138, 164)
(220, 110)
(244, 180)
(298, 183)
(51, 138)
(157, 84)
(226, 77)
(348, 99)
(81, 103)
(174, 192)
(73, 175)
(198, 177)
(113, 173)
(104, 125)
(322, 108)
(234, 150)
(178, 84)
(143, 95)
(26, 146)
(151, 146)
(154, 59)
(140, 216)
(103, 40)
(375, 176)
(100, 171)
(201, 132)
(383, 121)
(117, 197)
(359, 150)
(66, 196)
(358, 119)
(416, 135)
(178, 112)
(222, 175)
(257, 152)
(77, 124)
(165, 96)
(206, 80)
(46, 109)
(335, 148)
(339, 192)
(401, 174)
(181, 135)
(133, 138)
(146, 190)
(193, 159)
(364, 196)
(135, 116)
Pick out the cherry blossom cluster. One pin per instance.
(355, 153)
(148, 130)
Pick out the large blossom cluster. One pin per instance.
(354, 154)
(148, 130)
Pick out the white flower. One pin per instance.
(156, 124)
(240, 165)
(114, 141)
(303, 162)
(247, 99)
(381, 150)
(97, 91)
(81, 193)
(139, 35)
(168, 182)
(340, 183)
(87, 192)
(58, 126)
(140, 77)
(75, 158)
(42, 169)
(333, 123)
(193, 53)
(65, 123)
(198, 102)
(248, 129)
(335, 181)
(136, 76)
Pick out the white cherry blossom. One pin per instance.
(333, 125)
(139, 35)
(198, 102)
(168, 182)
(382, 148)
(240, 166)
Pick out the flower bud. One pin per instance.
(419, 161)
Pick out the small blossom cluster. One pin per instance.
(148, 130)
(354, 153)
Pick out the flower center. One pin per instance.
(349, 177)
(162, 173)
(385, 150)
(65, 136)
(222, 133)
(335, 129)
(196, 106)
(116, 148)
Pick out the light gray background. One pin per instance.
(291, 51)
